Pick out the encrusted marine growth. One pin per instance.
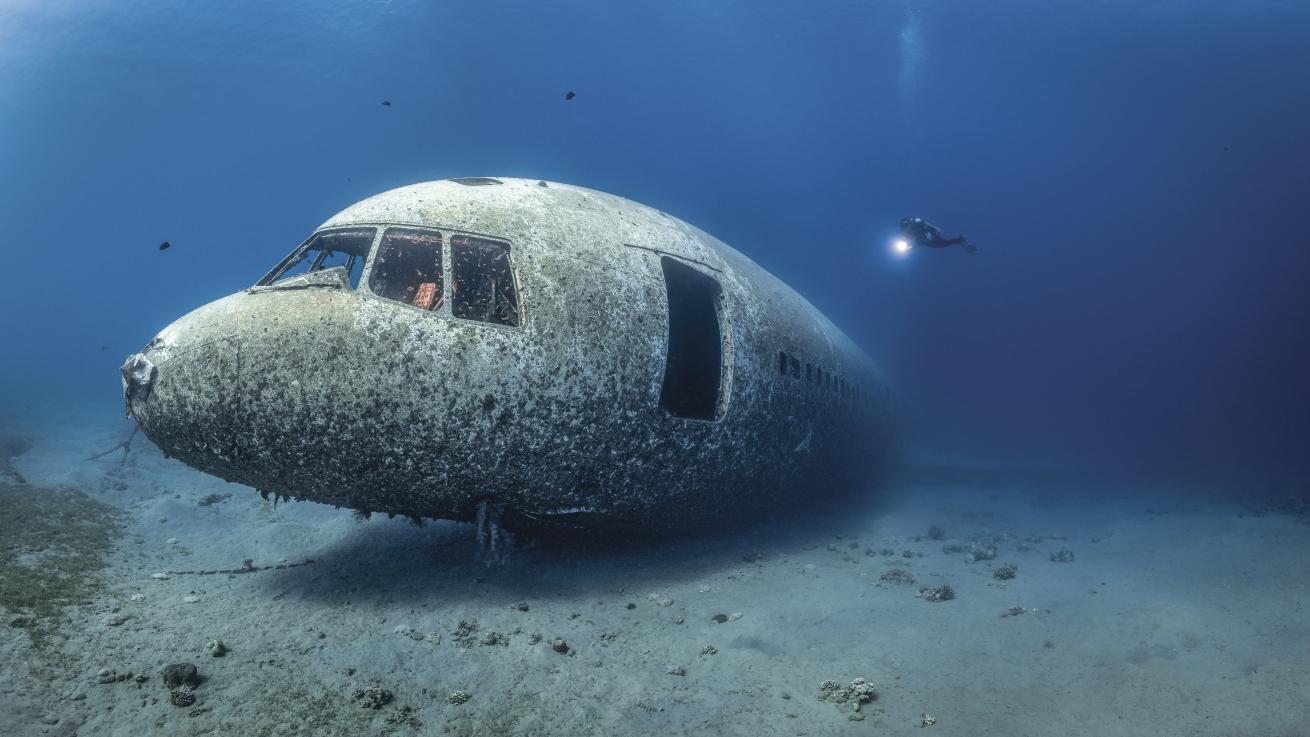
(516, 355)
(182, 696)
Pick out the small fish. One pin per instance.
(571, 94)
(165, 246)
(386, 103)
(104, 347)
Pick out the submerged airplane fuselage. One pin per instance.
(557, 354)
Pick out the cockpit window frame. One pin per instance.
(296, 255)
(472, 242)
(365, 278)
(446, 234)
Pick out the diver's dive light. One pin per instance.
(901, 246)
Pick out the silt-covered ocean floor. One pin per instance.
(963, 607)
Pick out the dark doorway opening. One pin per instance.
(694, 365)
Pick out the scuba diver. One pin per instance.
(919, 232)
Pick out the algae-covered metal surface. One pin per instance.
(634, 370)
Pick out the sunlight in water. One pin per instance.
(911, 57)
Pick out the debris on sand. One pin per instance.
(109, 675)
(216, 648)
(371, 696)
(936, 593)
(457, 697)
(850, 698)
(927, 720)
(860, 690)
(719, 618)
(1005, 572)
(676, 670)
(180, 674)
(898, 576)
(125, 445)
(1062, 556)
(212, 499)
(936, 533)
(979, 551)
(12, 445)
(466, 633)
(1016, 611)
(404, 630)
(493, 637)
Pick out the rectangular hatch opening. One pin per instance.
(693, 370)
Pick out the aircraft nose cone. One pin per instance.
(183, 390)
(138, 378)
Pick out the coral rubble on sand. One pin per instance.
(936, 593)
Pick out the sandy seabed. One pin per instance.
(1180, 614)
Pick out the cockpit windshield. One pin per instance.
(345, 248)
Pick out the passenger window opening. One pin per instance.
(809, 373)
(782, 362)
(482, 281)
(795, 367)
(344, 249)
(408, 268)
(694, 362)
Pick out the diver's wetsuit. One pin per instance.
(923, 233)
